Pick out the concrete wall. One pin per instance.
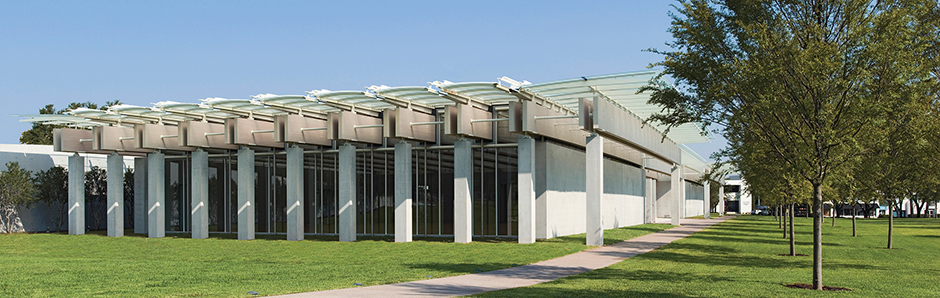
(40, 158)
(560, 192)
(664, 205)
(694, 199)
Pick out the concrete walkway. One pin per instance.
(527, 275)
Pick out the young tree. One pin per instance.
(52, 187)
(16, 191)
(806, 77)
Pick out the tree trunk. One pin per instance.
(854, 214)
(792, 234)
(817, 235)
(783, 217)
(833, 215)
(890, 225)
(778, 217)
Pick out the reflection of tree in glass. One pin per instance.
(53, 189)
(129, 198)
(96, 194)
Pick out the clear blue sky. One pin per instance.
(144, 52)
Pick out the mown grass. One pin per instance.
(58, 265)
(713, 215)
(739, 258)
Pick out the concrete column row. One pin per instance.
(150, 188)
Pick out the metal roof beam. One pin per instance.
(402, 103)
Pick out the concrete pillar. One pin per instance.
(721, 200)
(463, 183)
(200, 193)
(140, 195)
(403, 195)
(246, 193)
(708, 199)
(683, 196)
(76, 195)
(594, 189)
(156, 200)
(526, 158)
(650, 200)
(295, 193)
(115, 195)
(347, 193)
(675, 192)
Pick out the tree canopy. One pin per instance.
(805, 80)
(16, 191)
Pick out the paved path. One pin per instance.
(527, 275)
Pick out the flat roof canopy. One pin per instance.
(563, 95)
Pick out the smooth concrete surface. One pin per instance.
(295, 193)
(347, 193)
(246, 193)
(675, 194)
(526, 176)
(721, 200)
(694, 199)
(76, 195)
(527, 275)
(156, 199)
(200, 194)
(561, 198)
(463, 181)
(663, 199)
(707, 200)
(140, 195)
(403, 195)
(115, 195)
(594, 190)
(650, 209)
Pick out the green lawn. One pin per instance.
(713, 215)
(94, 265)
(739, 258)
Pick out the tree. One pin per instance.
(16, 191)
(96, 194)
(52, 187)
(41, 134)
(808, 78)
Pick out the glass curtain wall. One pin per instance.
(495, 195)
(178, 198)
(270, 194)
(220, 184)
(375, 193)
(321, 194)
(433, 192)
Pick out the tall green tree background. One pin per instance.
(806, 80)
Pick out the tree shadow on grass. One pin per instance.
(557, 291)
(768, 261)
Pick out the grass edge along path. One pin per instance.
(54, 265)
(531, 274)
(739, 258)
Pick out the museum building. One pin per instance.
(462, 160)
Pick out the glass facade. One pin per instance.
(494, 192)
